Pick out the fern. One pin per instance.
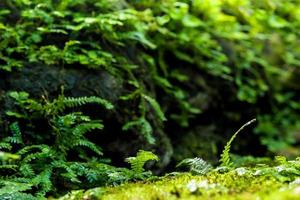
(83, 128)
(141, 124)
(52, 108)
(225, 156)
(5, 145)
(61, 103)
(144, 128)
(43, 181)
(8, 166)
(88, 144)
(28, 149)
(8, 156)
(137, 163)
(44, 153)
(10, 187)
(27, 170)
(69, 173)
(155, 105)
(38, 165)
(18, 195)
(79, 101)
(72, 136)
(17, 137)
(196, 165)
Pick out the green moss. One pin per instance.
(277, 180)
(230, 185)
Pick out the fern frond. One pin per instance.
(26, 170)
(143, 126)
(225, 156)
(8, 156)
(43, 180)
(9, 167)
(31, 147)
(155, 105)
(70, 174)
(17, 136)
(83, 128)
(18, 195)
(88, 144)
(44, 153)
(79, 101)
(61, 103)
(5, 145)
(196, 165)
(11, 187)
(91, 176)
(137, 163)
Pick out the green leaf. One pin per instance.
(155, 106)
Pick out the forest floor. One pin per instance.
(240, 183)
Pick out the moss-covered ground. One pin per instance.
(240, 183)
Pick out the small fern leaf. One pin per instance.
(83, 128)
(43, 180)
(26, 170)
(155, 105)
(17, 136)
(137, 163)
(196, 165)
(143, 126)
(11, 187)
(88, 144)
(225, 156)
(79, 101)
(5, 145)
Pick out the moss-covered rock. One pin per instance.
(262, 179)
(230, 185)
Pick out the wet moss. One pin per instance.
(235, 184)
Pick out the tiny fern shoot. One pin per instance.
(137, 163)
(225, 156)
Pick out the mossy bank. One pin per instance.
(186, 186)
(272, 180)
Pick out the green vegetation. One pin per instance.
(278, 181)
(87, 84)
(225, 156)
